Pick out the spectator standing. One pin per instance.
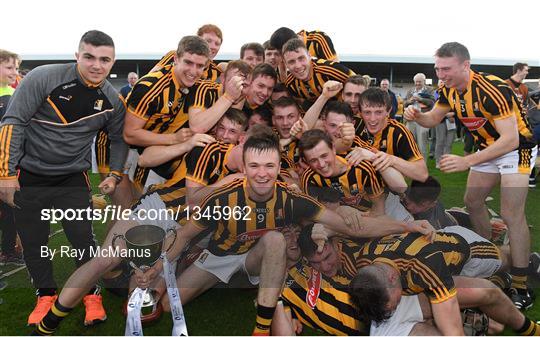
(132, 78)
(420, 95)
(385, 85)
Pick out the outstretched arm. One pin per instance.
(428, 119)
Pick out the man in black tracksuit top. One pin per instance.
(45, 151)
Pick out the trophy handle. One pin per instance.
(122, 237)
(134, 266)
(117, 236)
(172, 243)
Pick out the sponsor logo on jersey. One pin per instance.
(314, 288)
(473, 123)
(253, 235)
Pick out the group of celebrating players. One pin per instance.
(330, 189)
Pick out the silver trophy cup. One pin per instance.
(145, 245)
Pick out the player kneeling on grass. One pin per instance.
(445, 271)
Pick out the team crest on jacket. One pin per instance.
(98, 105)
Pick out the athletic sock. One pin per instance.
(50, 322)
(264, 320)
(501, 279)
(529, 328)
(519, 278)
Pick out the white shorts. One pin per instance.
(131, 163)
(395, 209)
(486, 262)
(407, 314)
(151, 210)
(517, 161)
(224, 267)
(129, 167)
(153, 179)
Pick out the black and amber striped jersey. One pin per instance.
(206, 165)
(320, 303)
(358, 185)
(321, 72)
(290, 155)
(237, 233)
(486, 99)
(424, 266)
(167, 59)
(140, 175)
(160, 100)
(211, 72)
(357, 142)
(319, 45)
(394, 139)
(286, 162)
(172, 192)
(349, 253)
(358, 124)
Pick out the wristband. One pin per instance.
(116, 177)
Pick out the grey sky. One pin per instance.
(490, 29)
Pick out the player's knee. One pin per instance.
(512, 215)
(473, 201)
(104, 264)
(274, 240)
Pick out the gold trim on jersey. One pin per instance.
(211, 72)
(209, 153)
(486, 99)
(334, 311)
(321, 71)
(237, 236)
(362, 173)
(389, 139)
(5, 138)
(417, 261)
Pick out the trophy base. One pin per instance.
(151, 309)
